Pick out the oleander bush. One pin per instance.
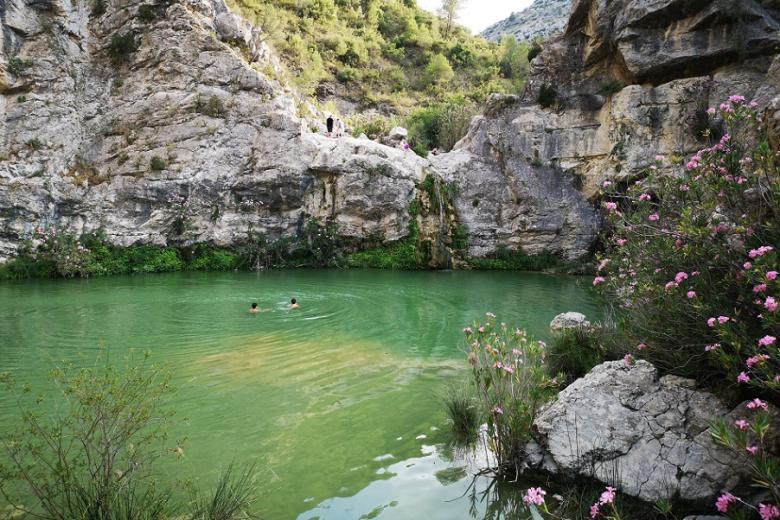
(692, 261)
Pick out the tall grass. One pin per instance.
(231, 499)
(462, 411)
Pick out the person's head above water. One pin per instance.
(293, 301)
(254, 306)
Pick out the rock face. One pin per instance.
(541, 19)
(627, 81)
(623, 425)
(569, 320)
(182, 127)
(139, 116)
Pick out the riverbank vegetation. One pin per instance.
(90, 450)
(690, 274)
(54, 253)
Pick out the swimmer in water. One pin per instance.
(255, 309)
(294, 304)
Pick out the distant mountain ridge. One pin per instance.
(543, 18)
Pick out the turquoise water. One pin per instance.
(336, 402)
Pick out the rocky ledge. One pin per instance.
(647, 435)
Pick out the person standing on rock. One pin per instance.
(329, 125)
(339, 128)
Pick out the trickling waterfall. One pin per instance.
(437, 189)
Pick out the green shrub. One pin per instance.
(438, 71)
(404, 255)
(157, 163)
(121, 47)
(213, 107)
(573, 352)
(17, 66)
(692, 260)
(505, 259)
(460, 237)
(35, 144)
(213, 260)
(611, 87)
(548, 95)
(534, 50)
(146, 13)
(440, 125)
(346, 74)
(94, 458)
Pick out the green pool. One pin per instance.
(336, 402)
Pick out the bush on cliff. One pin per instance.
(692, 260)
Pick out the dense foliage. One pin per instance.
(382, 52)
(692, 260)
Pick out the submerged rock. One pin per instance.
(646, 435)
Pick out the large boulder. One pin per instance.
(649, 436)
(569, 320)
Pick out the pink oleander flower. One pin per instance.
(611, 206)
(497, 410)
(724, 501)
(685, 187)
(654, 217)
(490, 315)
(712, 111)
(691, 295)
(760, 288)
(755, 360)
(628, 359)
(641, 347)
(509, 368)
(608, 496)
(747, 265)
(741, 424)
(743, 378)
(723, 319)
(534, 496)
(659, 158)
(645, 196)
(768, 511)
(695, 273)
(621, 242)
(759, 252)
(467, 330)
(711, 322)
(758, 403)
(680, 277)
(771, 276)
(736, 99)
(599, 280)
(670, 285)
(481, 329)
(752, 450)
(594, 510)
(606, 184)
(603, 264)
(516, 352)
(767, 341)
(770, 304)
(710, 348)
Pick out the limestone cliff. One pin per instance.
(160, 121)
(628, 80)
(183, 123)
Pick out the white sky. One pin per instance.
(478, 15)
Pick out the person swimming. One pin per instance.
(294, 304)
(255, 309)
